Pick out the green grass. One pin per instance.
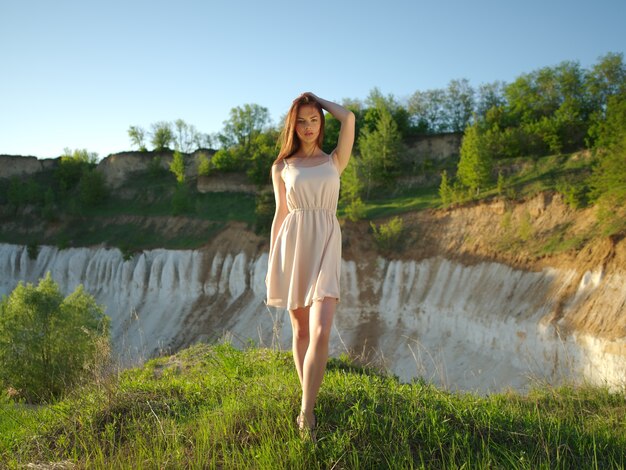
(219, 407)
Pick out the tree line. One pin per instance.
(551, 110)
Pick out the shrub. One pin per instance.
(355, 210)
(177, 167)
(264, 212)
(445, 190)
(574, 195)
(47, 342)
(204, 165)
(92, 189)
(389, 236)
(72, 166)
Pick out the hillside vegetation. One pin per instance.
(557, 129)
(219, 407)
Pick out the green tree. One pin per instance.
(459, 104)
(244, 123)
(48, 342)
(608, 178)
(228, 159)
(261, 155)
(445, 189)
(380, 151)
(490, 95)
(186, 137)
(177, 166)
(474, 169)
(351, 190)
(137, 137)
(162, 135)
(427, 110)
(72, 165)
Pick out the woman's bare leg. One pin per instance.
(314, 365)
(300, 341)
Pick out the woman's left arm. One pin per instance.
(346, 133)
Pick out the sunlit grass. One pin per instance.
(218, 407)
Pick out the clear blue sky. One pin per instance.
(77, 74)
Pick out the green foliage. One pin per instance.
(445, 190)
(204, 164)
(186, 137)
(181, 200)
(92, 189)
(355, 210)
(380, 150)
(388, 236)
(608, 179)
(474, 170)
(48, 212)
(156, 168)
(229, 160)
(137, 137)
(501, 184)
(47, 342)
(351, 190)
(177, 167)
(443, 110)
(245, 122)
(265, 207)
(574, 194)
(162, 135)
(525, 230)
(261, 155)
(72, 166)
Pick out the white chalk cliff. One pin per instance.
(482, 327)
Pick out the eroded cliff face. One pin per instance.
(444, 309)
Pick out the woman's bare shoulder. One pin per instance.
(278, 166)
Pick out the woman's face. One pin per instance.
(308, 123)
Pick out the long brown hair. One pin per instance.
(290, 142)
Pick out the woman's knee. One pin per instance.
(320, 334)
(301, 332)
(300, 323)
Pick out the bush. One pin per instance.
(177, 167)
(72, 166)
(264, 212)
(389, 236)
(92, 189)
(204, 165)
(48, 342)
(355, 210)
(574, 195)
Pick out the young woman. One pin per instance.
(305, 246)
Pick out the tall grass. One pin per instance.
(219, 407)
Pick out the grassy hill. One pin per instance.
(219, 407)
